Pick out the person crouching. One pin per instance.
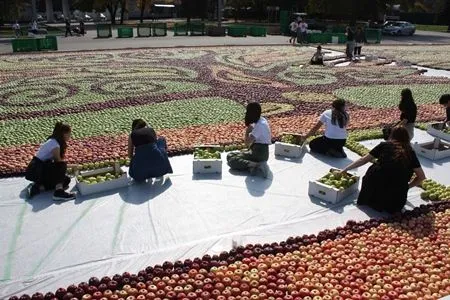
(47, 170)
(147, 152)
(257, 138)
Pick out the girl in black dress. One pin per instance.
(408, 110)
(147, 152)
(386, 183)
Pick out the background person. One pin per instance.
(333, 141)
(68, 30)
(147, 152)
(293, 28)
(258, 137)
(360, 39)
(47, 170)
(317, 58)
(350, 42)
(34, 27)
(445, 101)
(408, 109)
(82, 30)
(303, 32)
(386, 183)
(16, 28)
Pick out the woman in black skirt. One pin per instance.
(386, 183)
(148, 153)
(47, 170)
(408, 109)
(335, 121)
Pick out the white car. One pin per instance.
(398, 28)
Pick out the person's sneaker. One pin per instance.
(33, 190)
(61, 195)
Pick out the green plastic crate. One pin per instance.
(144, 30)
(24, 45)
(237, 31)
(257, 31)
(373, 35)
(48, 43)
(159, 29)
(104, 31)
(125, 32)
(197, 29)
(180, 29)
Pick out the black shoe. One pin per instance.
(61, 195)
(33, 190)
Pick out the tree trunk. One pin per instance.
(123, 5)
(143, 4)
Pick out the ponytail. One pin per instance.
(338, 114)
(58, 134)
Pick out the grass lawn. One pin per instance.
(437, 28)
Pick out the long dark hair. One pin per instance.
(338, 114)
(58, 134)
(407, 102)
(138, 124)
(402, 146)
(253, 113)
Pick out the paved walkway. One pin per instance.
(90, 42)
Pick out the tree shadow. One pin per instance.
(215, 176)
(140, 193)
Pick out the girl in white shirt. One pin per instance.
(47, 170)
(258, 137)
(333, 141)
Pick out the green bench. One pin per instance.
(237, 31)
(104, 31)
(257, 31)
(180, 29)
(35, 44)
(125, 32)
(197, 29)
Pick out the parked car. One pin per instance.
(398, 28)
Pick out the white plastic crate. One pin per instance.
(435, 130)
(331, 194)
(289, 150)
(207, 166)
(433, 150)
(88, 189)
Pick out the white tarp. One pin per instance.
(45, 245)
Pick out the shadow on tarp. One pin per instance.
(336, 207)
(207, 176)
(337, 163)
(140, 193)
(256, 185)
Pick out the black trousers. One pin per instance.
(68, 31)
(357, 50)
(47, 174)
(323, 144)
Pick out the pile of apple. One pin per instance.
(435, 191)
(405, 256)
(207, 153)
(340, 181)
(291, 139)
(99, 178)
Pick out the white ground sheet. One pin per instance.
(46, 245)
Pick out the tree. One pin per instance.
(123, 9)
(110, 5)
(142, 5)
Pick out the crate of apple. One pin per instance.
(438, 149)
(291, 145)
(207, 160)
(439, 130)
(435, 191)
(334, 186)
(101, 180)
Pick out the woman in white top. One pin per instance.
(257, 138)
(333, 141)
(47, 170)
